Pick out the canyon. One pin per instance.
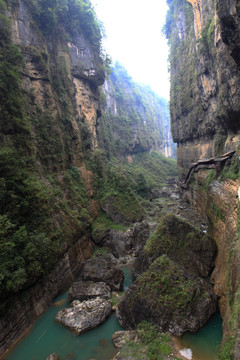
(82, 165)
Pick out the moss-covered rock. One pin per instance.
(168, 296)
(182, 242)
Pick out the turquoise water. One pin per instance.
(204, 344)
(47, 336)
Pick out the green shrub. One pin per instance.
(227, 350)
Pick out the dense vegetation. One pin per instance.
(41, 212)
(130, 186)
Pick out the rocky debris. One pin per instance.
(182, 242)
(124, 242)
(120, 338)
(86, 315)
(52, 357)
(167, 295)
(103, 269)
(85, 290)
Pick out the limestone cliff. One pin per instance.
(205, 106)
(50, 72)
(204, 78)
(138, 119)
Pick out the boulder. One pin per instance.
(103, 269)
(52, 357)
(119, 242)
(168, 296)
(86, 315)
(120, 338)
(85, 290)
(182, 242)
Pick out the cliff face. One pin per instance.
(138, 118)
(205, 107)
(204, 38)
(49, 109)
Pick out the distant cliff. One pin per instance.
(136, 118)
(204, 37)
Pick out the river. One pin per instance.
(47, 337)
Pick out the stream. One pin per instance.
(47, 336)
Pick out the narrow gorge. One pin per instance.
(90, 184)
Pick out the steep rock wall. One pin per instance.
(218, 205)
(47, 201)
(138, 119)
(204, 78)
(205, 108)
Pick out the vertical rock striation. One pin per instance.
(204, 78)
(205, 118)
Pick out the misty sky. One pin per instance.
(134, 38)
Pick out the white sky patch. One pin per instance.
(134, 38)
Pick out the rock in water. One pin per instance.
(86, 315)
(170, 297)
(103, 269)
(52, 357)
(85, 290)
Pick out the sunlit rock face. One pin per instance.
(205, 80)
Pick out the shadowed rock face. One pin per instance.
(168, 296)
(85, 315)
(182, 242)
(103, 269)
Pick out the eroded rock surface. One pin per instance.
(182, 242)
(120, 338)
(84, 290)
(86, 315)
(52, 357)
(103, 269)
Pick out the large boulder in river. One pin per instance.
(182, 242)
(86, 315)
(168, 296)
(85, 290)
(52, 357)
(103, 269)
